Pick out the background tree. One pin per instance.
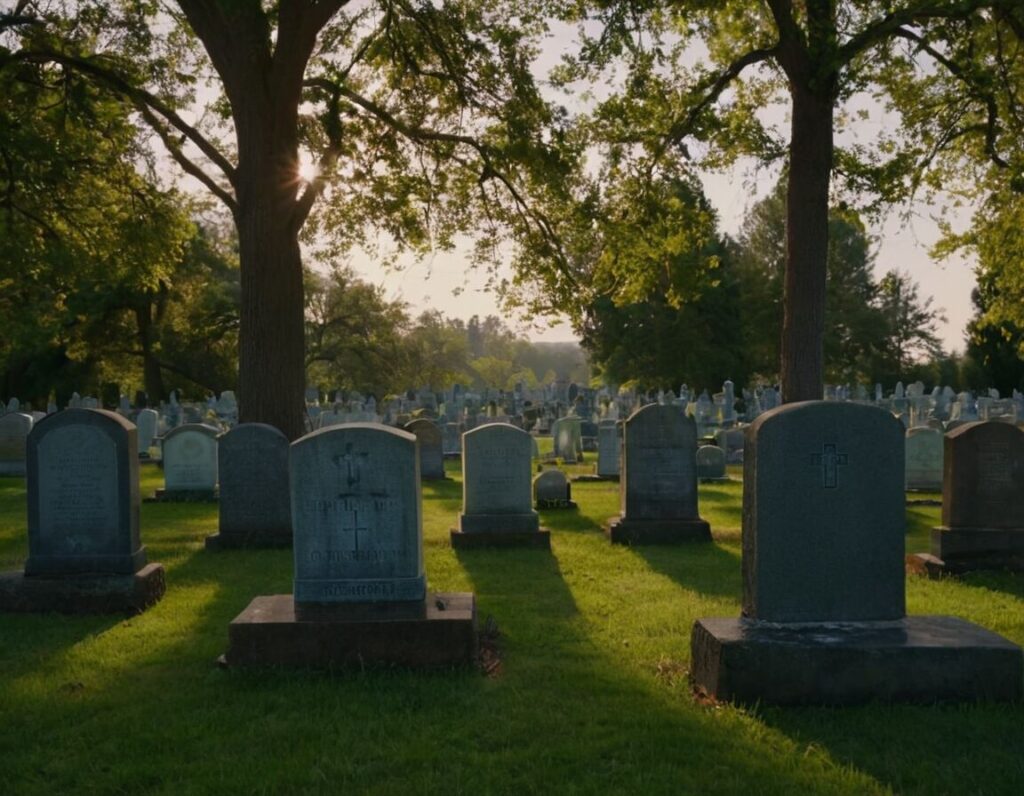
(420, 118)
(815, 56)
(911, 326)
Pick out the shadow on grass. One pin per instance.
(704, 568)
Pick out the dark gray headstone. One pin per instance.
(83, 495)
(255, 503)
(356, 518)
(823, 514)
(984, 476)
(551, 490)
(609, 445)
(14, 431)
(659, 474)
(711, 463)
(431, 450)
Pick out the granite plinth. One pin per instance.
(182, 496)
(960, 550)
(463, 540)
(914, 659)
(254, 540)
(82, 594)
(623, 531)
(438, 631)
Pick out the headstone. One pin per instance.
(146, 423)
(823, 578)
(255, 504)
(924, 459)
(14, 431)
(982, 501)
(190, 463)
(711, 463)
(360, 590)
(431, 449)
(609, 444)
(496, 506)
(85, 554)
(551, 490)
(658, 489)
(567, 437)
(731, 441)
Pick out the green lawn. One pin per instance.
(592, 694)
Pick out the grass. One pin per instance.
(592, 696)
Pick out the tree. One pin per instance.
(911, 325)
(420, 117)
(816, 55)
(855, 328)
(354, 336)
(995, 344)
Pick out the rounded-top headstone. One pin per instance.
(823, 514)
(255, 503)
(431, 449)
(659, 470)
(83, 495)
(14, 430)
(496, 474)
(356, 515)
(190, 458)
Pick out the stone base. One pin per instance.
(622, 531)
(589, 477)
(470, 541)
(269, 632)
(262, 539)
(554, 504)
(965, 550)
(915, 659)
(82, 594)
(183, 496)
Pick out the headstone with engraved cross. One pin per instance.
(360, 589)
(824, 618)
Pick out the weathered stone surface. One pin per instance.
(496, 463)
(823, 514)
(356, 515)
(567, 439)
(438, 630)
(190, 462)
(659, 480)
(924, 459)
(82, 594)
(83, 495)
(913, 659)
(983, 499)
(431, 451)
(551, 490)
(14, 431)
(255, 502)
(711, 463)
(146, 423)
(609, 449)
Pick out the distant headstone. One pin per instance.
(496, 505)
(14, 431)
(190, 463)
(567, 437)
(255, 504)
(711, 463)
(823, 578)
(731, 441)
(982, 500)
(551, 490)
(609, 445)
(924, 459)
(147, 423)
(431, 448)
(85, 554)
(659, 480)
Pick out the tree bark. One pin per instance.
(807, 199)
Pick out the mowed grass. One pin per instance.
(592, 695)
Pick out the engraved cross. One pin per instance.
(354, 528)
(830, 462)
(352, 464)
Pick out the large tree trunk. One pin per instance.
(810, 167)
(152, 376)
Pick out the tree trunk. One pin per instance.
(152, 377)
(271, 345)
(807, 198)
